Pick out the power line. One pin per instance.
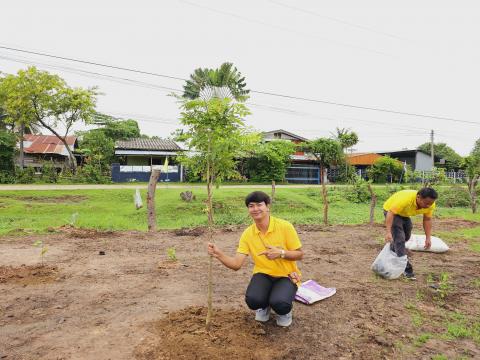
(277, 27)
(340, 21)
(268, 93)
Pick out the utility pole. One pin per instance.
(432, 151)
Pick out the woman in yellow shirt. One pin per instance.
(274, 247)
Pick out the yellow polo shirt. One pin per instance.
(280, 234)
(404, 203)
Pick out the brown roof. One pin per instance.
(147, 144)
(47, 144)
(362, 158)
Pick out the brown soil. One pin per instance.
(136, 303)
(50, 199)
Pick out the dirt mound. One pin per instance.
(233, 335)
(198, 231)
(51, 199)
(28, 275)
(82, 233)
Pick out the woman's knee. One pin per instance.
(281, 307)
(255, 302)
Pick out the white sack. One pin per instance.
(417, 243)
(388, 265)
(138, 199)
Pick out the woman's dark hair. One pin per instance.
(428, 193)
(257, 197)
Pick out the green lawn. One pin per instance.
(36, 211)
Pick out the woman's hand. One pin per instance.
(272, 252)
(295, 277)
(213, 250)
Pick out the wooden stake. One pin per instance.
(152, 185)
(373, 202)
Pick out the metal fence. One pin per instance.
(303, 175)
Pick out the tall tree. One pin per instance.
(327, 152)
(42, 99)
(215, 132)
(270, 161)
(453, 161)
(226, 76)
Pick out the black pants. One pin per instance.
(401, 232)
(265, 290)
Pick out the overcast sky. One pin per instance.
(418, 57)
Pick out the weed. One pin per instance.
(422, 339)
(417, 319)
(475, 246)
(43, 249)
(420, 296)
(444, 286)
(439, 357)
(172, 254)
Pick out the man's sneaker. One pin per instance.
(284, 320)
(409, 275)
(263, 315)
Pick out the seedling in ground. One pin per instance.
(172, 254)
(422, 339)
(43, 249)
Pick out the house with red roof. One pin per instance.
(39, 149)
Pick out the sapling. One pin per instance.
(172, 254)
(43, 249)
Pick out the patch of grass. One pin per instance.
(422, 339)
(419, 295)
(114, 209)
(476, 283)
(439, 357)
(475, 246)
(416, 315)
(458, 326)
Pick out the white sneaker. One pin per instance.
(284, 320)
(262, 315)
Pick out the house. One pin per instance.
(137, 156)
(304, 168)
(417, 159)
(362, 161)
(39, 149)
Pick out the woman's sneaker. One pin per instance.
(262, 315)
(284, 320)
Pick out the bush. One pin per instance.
(7, 177)
(92, 174)
(453, 196)
(25, 176)
(358, 192)
(49, 173)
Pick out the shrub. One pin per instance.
(25, 176)
(358, 192)
(453, 196)
(49, 173)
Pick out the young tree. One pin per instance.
(347, 139)
(42, 99)
(215, 132)
(472, 169)
(327, 152)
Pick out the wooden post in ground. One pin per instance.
(273, 191)
(373, 202)
(152, 185)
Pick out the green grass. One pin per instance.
(113, 209)
(416, 315)
(422, 339)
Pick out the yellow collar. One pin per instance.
(271, 226)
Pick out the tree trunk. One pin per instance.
(324, 196)
(22, 154)
(208, 320)
(273, 191)
(472, 191)
(373, 202)
(152, 185)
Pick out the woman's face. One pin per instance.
(258, 211)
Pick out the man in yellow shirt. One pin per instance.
(274, 247)
(398, 209)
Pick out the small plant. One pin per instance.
(417, 319)
(422, 339)
(439, 357)
(420, 296)
(172, 254)
(444, 286)
(476, 283)
(74, 219)
(43, 249)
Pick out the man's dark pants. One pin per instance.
(265, 290)
(401, 232)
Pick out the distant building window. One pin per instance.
(277, 135)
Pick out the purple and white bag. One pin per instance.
(310, 292)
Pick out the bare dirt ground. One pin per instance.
(133, 302)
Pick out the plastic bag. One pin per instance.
(138, 199)
(388, 265)
(417, 243)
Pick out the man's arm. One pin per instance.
(388, 226)
(232, 262)
(427, 227)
